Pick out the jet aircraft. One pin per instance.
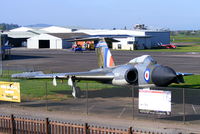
(140, 71)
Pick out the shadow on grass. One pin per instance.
(50, 104)
(111, 92)
(191, 95)
(105, 92)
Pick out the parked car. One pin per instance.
(76, 48)
(168, 46)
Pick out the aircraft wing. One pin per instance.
(89, 75)
(184, 74)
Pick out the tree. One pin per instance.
(5, 26)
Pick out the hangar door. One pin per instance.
(44, 43)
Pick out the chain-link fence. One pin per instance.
(104, 100)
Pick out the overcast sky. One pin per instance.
(173, 14)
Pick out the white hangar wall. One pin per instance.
(44, 41)
(124, 43)
(132, 43)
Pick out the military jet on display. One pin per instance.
(140, 71)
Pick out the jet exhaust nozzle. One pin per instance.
(163, 76)
(131, 76)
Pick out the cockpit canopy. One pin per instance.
(145, 59)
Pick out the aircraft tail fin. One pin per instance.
(105, 58)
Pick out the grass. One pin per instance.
(34, 89)
(180, 39)
(184, 39)
(192, 81)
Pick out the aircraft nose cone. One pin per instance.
(163, 76)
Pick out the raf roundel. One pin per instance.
(147, 75)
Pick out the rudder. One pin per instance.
(105, 58)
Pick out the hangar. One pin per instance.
(18, 36)
(52, 40)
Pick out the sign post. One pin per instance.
(1, 72)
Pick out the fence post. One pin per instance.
(46, 94)
(130, 131)
(47, 125)
(86, 128)
(87, 99)
(184, 105)
(133, 102)
(12, 123)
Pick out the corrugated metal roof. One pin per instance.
(56, 29)
(21, 34)
(116, 32)
(67, 35)
(21, 29)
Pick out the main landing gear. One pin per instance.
(76, 91)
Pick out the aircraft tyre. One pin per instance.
(76, 92)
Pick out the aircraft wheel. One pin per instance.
(76, 92)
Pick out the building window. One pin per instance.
(130, 42)
(119, 46)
